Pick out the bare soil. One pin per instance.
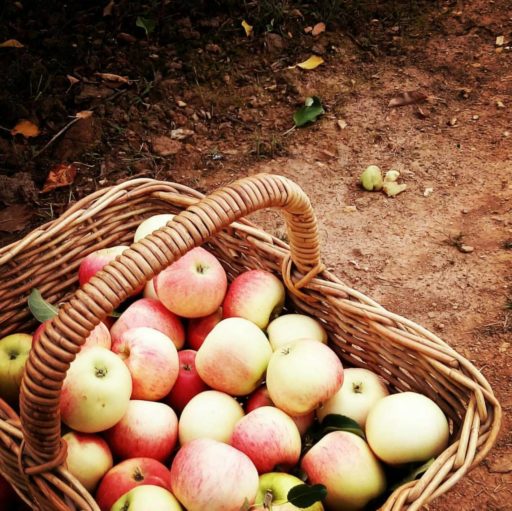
(438, 253)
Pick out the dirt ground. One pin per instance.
(205, 104)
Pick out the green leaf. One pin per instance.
(413, 474)
(147, 24)
(334, 422)
(305, 495)
(39, 307)
(309, 112)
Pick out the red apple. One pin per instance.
(260, 397)
(256, 295)
(150, 313)
(199, 328)
(96, 391)
(193, 286)
(188, 384)
(302, 375)
(88, 458)
(345, 464)
(147, 430)
(152, 360)
(95, 261)
(127, 475)
(269, 437)
(207, 475)
(100, 336)
(234, 357)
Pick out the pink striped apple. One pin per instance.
(152, 360)
(129, 474)
(344, 463)
(150, 313)
(193, 286)
(256, 295)
(302, 375)
(234, 356)
(269, 437)
(88, 458)
(260, 397)
(292, 327)
(210, 414)
(213, 476)
(147, 430)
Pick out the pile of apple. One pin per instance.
(199, 396)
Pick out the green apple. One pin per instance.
(14, 350)
(279, 484)
(147, 497)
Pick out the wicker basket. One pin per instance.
(362, 332)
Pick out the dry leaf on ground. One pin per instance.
(11, 43)
(407, 98)
(26, 128)
(318, 29)
(112, 77)
(248, 28)
(61, 175)
(15, 218)
(311, 63)
(72, 80)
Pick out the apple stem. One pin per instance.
(357, 387)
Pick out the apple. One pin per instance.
(14, 350)
(256, 295)
(234, 356)
(139, 498)
(146, 227)
(188, 383)
(210, 414)
(151, 224)
(260, 397)
(152, 359)
(344, 463)
(278, 484)
(406, 427)
(213, 476)
(97, 260)
(291, 327)
(194, 285)
(199, 328)
(96, 391)
(129, 474)
(147, 430)
(361, 389)
(269, 437)
(88, 458)
(150, 313)
(100, 336)
(302, 375)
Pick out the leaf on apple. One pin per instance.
(335, 422)
(305, 495)
(39, 307)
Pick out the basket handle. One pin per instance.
(62, 338)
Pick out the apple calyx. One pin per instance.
(285, 351)
(138, 475)
(357, 387)
(125, 507)
(13, 355)
(201, 268)
(100, 372)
